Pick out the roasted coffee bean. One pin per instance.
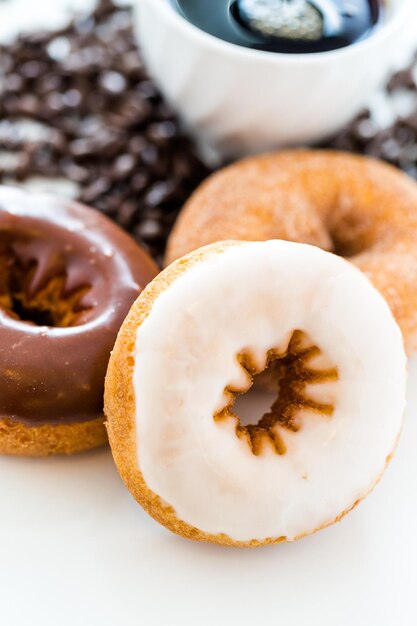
(124, 166)
(80, 148)
(75, 173)
(150, 230)
(131, 65)
(99, 187)
(72, 98)
(32, 69)
(113, 82)
(397, 143)
(126, 213)
(13, 82)
(403, 79)
(54, 102)
(365, 129)
(160, 193)
(139, 181)
(59, 48)
(107, 127)
(149, 156)
(411, 121)
(28, 104)
(161, 132)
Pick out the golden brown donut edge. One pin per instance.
(17, 439)
(120, 409)
(358, 207)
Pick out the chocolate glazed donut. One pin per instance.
(68, 277)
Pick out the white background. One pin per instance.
(76, 549)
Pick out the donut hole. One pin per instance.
(49, 304)
(256, 401)
(37, 316)
(290, 378)
(350, 235)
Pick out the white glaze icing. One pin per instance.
(253, 296)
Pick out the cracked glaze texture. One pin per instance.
(249, 299)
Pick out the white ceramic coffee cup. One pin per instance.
(239, 101)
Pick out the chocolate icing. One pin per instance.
(68, 266)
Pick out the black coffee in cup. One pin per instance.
(287, 26)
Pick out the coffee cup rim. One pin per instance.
(382, 32)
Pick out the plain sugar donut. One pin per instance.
(195, 339)
(354, 206)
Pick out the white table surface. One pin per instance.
(75, 549)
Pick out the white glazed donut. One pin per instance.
(195, 338)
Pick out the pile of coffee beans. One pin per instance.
(78, 104)
(396, 142)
